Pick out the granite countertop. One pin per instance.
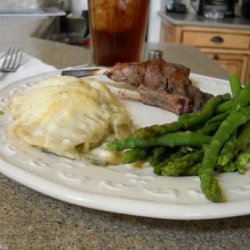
(31, 220)
(192, 19)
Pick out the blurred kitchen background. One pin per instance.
(219, 28)
(77, 9)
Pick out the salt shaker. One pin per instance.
(154, 53)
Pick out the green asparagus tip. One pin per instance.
(229, 167)
(241, 166)
(223, 160)
(157, 170)
(242, 160)
(210, 185)
(212, 190)
(241, 169)
(133, 155)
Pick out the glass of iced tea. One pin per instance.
(117, 30)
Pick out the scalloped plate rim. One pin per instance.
(118, 204)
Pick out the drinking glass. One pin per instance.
(117, 29)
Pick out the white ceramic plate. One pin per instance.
(120, 189)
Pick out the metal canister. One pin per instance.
(154, 53)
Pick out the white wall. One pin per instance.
(154, 20)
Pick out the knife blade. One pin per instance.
(84, 72)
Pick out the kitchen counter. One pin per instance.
(192, 19)
(23, 32)
(30, 220)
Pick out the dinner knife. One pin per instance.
(120, 89)
(82, 72)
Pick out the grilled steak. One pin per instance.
(161, 84)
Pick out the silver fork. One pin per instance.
(12, 61)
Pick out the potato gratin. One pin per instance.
(70, 117)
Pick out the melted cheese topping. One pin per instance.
(68, 116)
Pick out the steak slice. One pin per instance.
(174, 103)
(131, 73)
(161, 84)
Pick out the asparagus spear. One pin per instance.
(243, 139)
(242, 160)
(185, 121)
(186, 138)
(157, 163)
(239, 116)
(158, 152)
(225, 106)
(178, 166)
(235, 85)
(159, 155)
(242, 100)
(133, 155)
(229, 167)
(213, 124)
(236, 88)
(193, 170)
(228, 151)
(158, 130)
(209, 183)
(199, 117)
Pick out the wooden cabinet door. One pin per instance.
(216, 39)
(227, 47)
(232, 63)
(167, 33)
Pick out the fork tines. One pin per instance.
(12, 60)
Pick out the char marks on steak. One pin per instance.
(161, 84)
